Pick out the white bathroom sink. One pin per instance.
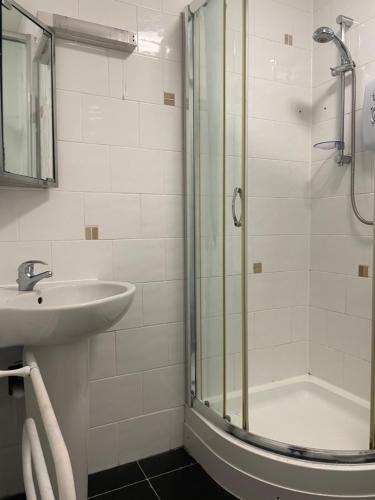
(57, 313)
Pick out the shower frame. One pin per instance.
(191, 312)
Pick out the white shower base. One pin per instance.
(303, 411)
(307, 412)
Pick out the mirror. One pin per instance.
(27, 111)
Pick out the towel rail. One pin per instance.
(32, 454)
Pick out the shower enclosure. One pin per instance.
(279, 269)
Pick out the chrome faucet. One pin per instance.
(26, 277)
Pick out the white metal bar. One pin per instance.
(27, 467)
(20, 372)
(32, 455)
(60, 455)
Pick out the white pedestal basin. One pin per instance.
(54, 322)
(58, 313)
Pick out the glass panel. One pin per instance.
(234, 195)
(209, 165)
(310, 294)
(27, 96)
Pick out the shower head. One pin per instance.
(324, 34)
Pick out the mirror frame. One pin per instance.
(16, 180)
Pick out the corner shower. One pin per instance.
(280, 394)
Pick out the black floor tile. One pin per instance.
(114, 478)
(20, 496)
(166, 462)
(140, 491)
(187, 484)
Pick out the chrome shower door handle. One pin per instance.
(237, 220)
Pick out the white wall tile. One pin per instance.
(69, 116)
(9, 215)
(306, 5)
(142, 437)
(317, 325)
(139, 260)
(66, 8)
(291, 360)
(112, 13)
(174, 259)
(363, 42)
(172, 80)
(109, 121)
(163, 388)
(163, 302)
(262, 61)
(275, 178)
(82, 260)
(102, 448)
(142, 349)
(102, 356)
(107, 398)
(327, 290)
(272, 328)
(140, 70)
(116, 67)
(83, 167)
(300, 323)
(174, 6)
(329, 216)
(137, 171)
(162, 216)
(357, 376)
(278, 216)
(176, 427)
(81, 71)
(327, 364)
(283, 20)
(176, 347)
(357, 340)
(269, 139)
(174, 183)
(51, 215)
(159, 34)
(261, 363)
(160, 127)
(149, 4)
(293, 65)
(117, 215)
(276, 290)
(340, 254)
(359, 297)
(279, 252)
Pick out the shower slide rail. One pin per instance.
(32, 453)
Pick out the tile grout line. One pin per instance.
(149, 482)
(117, 489)
(174, 470)
(146, 479)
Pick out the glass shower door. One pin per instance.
(218, 211)
(209, 164)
